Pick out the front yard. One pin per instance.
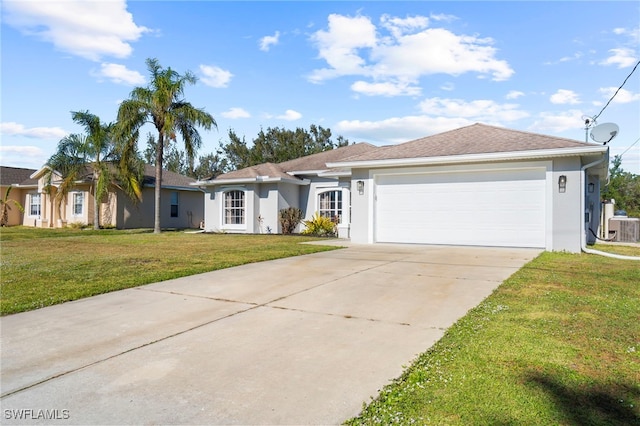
(558, 343)
(42, 267)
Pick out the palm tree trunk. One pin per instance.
(158, 183)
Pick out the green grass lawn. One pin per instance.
(558, 343)
(42, 267)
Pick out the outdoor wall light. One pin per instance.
(591, 187)
(562, 183)
(360, 184)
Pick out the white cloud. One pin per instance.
(399, 26)
(398, 129)
(514, 94)
(339, 46)
(439, 51)
(387, 88)
(267, 41)
(481, 110)
(235, 113)
(30, 157)
(14, 129)
(623, 97)
(215, 76)
(90, 29)
(448, 86)
(120, 74)
(558, 121)
(563, 96)
(290, 115)
(438, 115)
(622, 57)
(401, 50)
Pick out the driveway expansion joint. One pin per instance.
(197, 296)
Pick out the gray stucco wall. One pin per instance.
(567, 218)
(142, 214)
(565, 221)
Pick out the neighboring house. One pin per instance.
(182, 203)
(20, 181)
(478, 185)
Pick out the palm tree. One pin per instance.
(4, 202)
(110, 162)
(161, 103)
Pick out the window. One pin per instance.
(78, 203)
(330, 205)
(234, 208)
(34, 204)
(174, 204)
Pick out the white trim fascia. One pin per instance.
(471, 158)
(332, 173)
(259, 179)
(306, 172)
(176, 188)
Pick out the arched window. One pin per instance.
(234, 208)
(330, 205)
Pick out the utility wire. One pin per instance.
(614, 95)
(625, 151)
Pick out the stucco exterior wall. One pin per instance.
(565, 221)
(361, 208)
(567, 218)
(141, 215)
(14, 215)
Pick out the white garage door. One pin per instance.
(491, 208)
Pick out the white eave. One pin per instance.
(259, 179)
(473, 158)
(322, 173)
(306, 172)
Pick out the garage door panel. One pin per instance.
(501, 208)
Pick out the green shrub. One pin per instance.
(320, 226)
(289, 219)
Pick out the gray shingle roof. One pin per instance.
(307, 163)
(171, 179)
(474, 139)
(319, 161)
(16, 176)
(265, 169)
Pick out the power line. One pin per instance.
(631, 146)
(614, 95)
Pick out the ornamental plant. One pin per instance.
(319, 226)
(289, 219)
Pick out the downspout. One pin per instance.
(583, 236)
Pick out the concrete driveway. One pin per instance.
(304, 340)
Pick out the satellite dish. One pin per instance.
(604, 133)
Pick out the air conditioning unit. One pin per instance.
(626, 229)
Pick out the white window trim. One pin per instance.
(73, 204)
(223, 197)
(30, 196)
(342, 200)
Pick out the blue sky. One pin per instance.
(381, 72)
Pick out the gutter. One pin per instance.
(583, 236)
(471, 158)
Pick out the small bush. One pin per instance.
(320, 226)
(77, 225)
(289, 219)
